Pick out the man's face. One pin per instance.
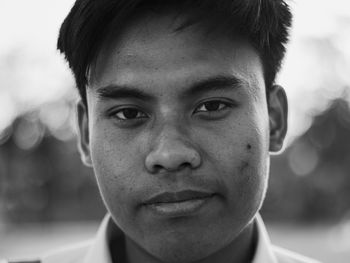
(177, 131)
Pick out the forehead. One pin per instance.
(151, 49)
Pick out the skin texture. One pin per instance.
(216, 139)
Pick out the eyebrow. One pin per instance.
(122, 92)
(215, 83)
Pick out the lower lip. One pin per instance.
(179, 209)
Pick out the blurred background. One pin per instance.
(48, 198)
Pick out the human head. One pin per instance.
(178, 125)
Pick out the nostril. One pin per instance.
(184, 166)
(157, 168)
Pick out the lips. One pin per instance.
(177, 197)
(179, 204)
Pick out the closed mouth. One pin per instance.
(178, 197)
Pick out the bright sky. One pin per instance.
(31, 71)
(316, 69)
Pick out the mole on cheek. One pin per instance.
(245, 163)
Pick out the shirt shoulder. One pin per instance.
(287, 256)
(70, 254)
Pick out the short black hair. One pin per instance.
(265, 23)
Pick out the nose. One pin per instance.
(172, 152)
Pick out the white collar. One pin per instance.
(263, 252)
(99, 249)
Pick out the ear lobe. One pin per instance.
(278, 115)
(83, 134)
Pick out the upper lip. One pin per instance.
(180, 196)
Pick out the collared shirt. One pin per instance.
(97, 250)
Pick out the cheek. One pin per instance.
(251, 179)
(114, 167)
(116, 184)
(113, 155)
(240, 156)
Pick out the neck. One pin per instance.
(240, 250)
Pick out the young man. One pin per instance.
(179, 112)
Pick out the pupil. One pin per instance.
(130, 113)
(212, 106)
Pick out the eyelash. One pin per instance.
(218, 102)
(223, 105)
(115, 113)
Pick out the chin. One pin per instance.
(183, 252)
(174, 247)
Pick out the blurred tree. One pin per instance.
(311, 179)
(44, 179)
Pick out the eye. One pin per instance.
(212, 106)
(129, 114)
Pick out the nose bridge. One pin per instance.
(172, 149)
(171, 128)
(171, 141)
(171, 132)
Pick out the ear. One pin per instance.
(83, 134)
(278, 115)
